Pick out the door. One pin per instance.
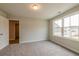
(13, 31)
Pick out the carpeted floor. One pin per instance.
(42, 48)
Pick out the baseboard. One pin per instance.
(30, 41)
(66, 46)
(4, 46)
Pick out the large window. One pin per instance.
(67, 27)
(57, 27)
(74, 26)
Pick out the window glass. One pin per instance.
(75, 26)
(57, 25)
(66, 28)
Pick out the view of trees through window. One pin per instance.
(67, 27)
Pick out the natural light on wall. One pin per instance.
(67, 27)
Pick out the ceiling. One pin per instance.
(46, 10)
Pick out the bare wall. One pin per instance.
(32, 30)
(4, 32)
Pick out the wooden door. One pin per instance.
(13, 31)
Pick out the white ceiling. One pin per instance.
(46, 11)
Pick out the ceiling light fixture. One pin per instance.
(35, 6)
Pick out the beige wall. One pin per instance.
(4, 32)
(68, 43)
(32, 30)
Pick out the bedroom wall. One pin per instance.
(32, 30)
(4, 31)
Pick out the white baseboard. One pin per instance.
(62, 44)
(3, 46)
(30, 41)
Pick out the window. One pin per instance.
(67, 27)
(57, 25)
(74, 26)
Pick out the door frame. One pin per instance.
(16, 41)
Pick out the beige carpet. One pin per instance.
(42, 48)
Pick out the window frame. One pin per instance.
(62, 18)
